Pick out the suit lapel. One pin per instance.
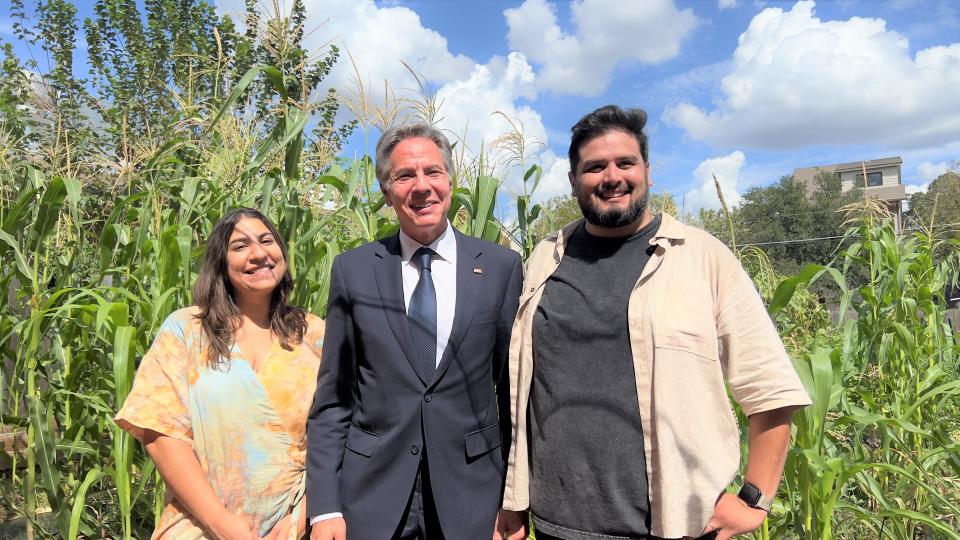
(390, 286)
(469, 287)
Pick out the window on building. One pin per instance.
(873, 179)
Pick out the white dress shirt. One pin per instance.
(443, 268)
(444, 271)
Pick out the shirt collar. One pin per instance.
(445, 246)
(670, 229)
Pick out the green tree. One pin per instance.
(663, 202)
(14, 95)
(793, 227)
(556, 213)
(945, 190)
(719, 224)
(277, 41)
(146, 66)
(54, 97)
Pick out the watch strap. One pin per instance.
(765, 503)
(755, 498)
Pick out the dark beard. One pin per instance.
(615, 217)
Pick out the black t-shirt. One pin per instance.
(588, 472)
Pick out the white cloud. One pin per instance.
(467, 92)
(607, 33)
(912, 188)
(378, 39)
(555, 179)
(929, 171)
(374, 38)
(469, 103)
(729, 172)
(798, 81)
(727, 4)
(467, 112)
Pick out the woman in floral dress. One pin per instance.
(220, 400)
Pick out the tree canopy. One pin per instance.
(945, 191)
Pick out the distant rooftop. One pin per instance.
(806, 174)
(885, 192)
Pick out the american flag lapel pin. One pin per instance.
(478, 270)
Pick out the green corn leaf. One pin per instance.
(534, 213)
(266, 197)
(535, 172)
(44, 449)
(72, 186)
(79, 501)
(822, 371)
(944, 529)
(122, 364)
(945, 390)
(184, 246)
(864, 418)
(786, 289)
(856, 468)
(146, 473)
(238, 90)
(275, 77)
(464, 199)
(522, 212)
(51, 202)
(17, 214)
(491, 231)
(18, 258)
(334, 181)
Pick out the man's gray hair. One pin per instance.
(395, 135)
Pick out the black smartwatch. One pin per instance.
(755, 498)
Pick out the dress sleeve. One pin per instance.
(313, 337)
(158, 400)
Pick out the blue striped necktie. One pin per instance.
(422, 315)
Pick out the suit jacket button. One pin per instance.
(428, 397)
(414, 450)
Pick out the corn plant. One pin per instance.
(879, 442)
(95, 274)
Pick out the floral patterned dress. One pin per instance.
(248, 429)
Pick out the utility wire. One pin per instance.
(795, 241)
(802, 240)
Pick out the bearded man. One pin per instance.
(629, 326)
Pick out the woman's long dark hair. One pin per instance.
(213, 293)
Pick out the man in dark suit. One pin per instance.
(405, 438)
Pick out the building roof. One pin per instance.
(856, 165)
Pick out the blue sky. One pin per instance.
(744, 89)
(819, 77)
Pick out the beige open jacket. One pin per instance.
(696, 321)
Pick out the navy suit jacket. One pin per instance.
(374, 418)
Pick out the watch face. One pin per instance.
(749, 494)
